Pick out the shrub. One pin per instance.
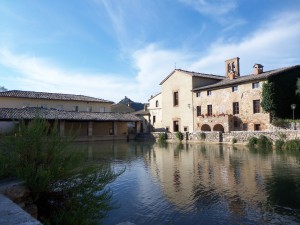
(179, 135)
(234, 140)
(264, 143)
(277, 122)
(279, 144)
(292, 145)
(65, 186)
(202, 136)
(252, 141)
(162, 137)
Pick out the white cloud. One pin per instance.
(275, 44)
(38, 74)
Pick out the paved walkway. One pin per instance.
(11, 213)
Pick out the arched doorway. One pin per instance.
(218, 127)
(205, 127)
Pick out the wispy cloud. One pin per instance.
(34, 73)
(212, 7)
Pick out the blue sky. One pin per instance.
(112, 48)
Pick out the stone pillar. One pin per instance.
(62, 128)
(115, 125)
(90, 129)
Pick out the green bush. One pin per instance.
(283, 123)
(234, 140)
(264, 143)
(252, 141)
(66, 187)
(292, 145)
(179, 135)
(279, 144)
(162, 137)
(202, 136)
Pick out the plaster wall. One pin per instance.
(9, 102)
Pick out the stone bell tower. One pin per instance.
(232, 68)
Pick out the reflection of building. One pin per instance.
(193, 101)
(195, 175)
(90, 117)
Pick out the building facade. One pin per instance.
(204, 102)
(87, 117)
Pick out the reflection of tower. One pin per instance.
(232, 68)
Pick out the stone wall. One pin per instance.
(243, 136)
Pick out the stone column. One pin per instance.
(90, 129)
(62, 128)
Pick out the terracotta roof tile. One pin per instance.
(51, 114)
(247, 78)
(51, 96)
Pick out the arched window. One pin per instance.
(156, 103)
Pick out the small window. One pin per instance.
(156, 103)
(256, 106)
(167, 129)
(198, 94)
(235, 108)
(255, 85)
(209, 93)
(209, 110)
(235, 88)
(198, 110)
(175, 98)
(185, 129)
(256, 127)
(154, 119)
(76, 108)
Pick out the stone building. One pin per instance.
(155, 110)
(204, 102)
(91, 118)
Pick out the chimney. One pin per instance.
(232, 68)
(258, 69)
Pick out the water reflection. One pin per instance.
(188, 183)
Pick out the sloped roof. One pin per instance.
(52, 114)
(247, 78)
(50, 96)
(119, 107)
(194, 74)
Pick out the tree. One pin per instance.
(2, 88)
(298, 87)
(66, 187)
(268, 101)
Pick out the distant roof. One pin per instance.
(194, 74)
(51, 96)
(141, 112)
(153, 96)
(52, 114)
(247, 78)
(119, 107)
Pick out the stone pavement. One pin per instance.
(11, 213)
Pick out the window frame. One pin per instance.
(209, 110)
(209, 92)
(175, 98)
(198, 110)
(235, 88)
(255, 85)
(198, 93)
(235, 108)
(256, 106)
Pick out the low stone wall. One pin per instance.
(243, 136)
(240, 136)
